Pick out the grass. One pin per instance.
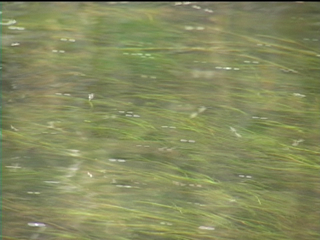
(244, 176)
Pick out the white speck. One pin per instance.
(9, 22)
(232, 129)
(206, 228)
(36, 193)
(34, 224)
(15, 44)
(13, 128)
(200, 28)
(188, 28)
(193, 115)
(52, 182)
(91, 96)
(237, 134)
(89, 174)
(183, 140)
(298, 95)
(196, 7)
(208, 10)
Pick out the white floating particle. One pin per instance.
(15, 44)
(35, 224)
(72, 40)
(206, 228)
(241, 175)
(191, 141)
(164, 126)
(178, 3)
(128, 115)
(248, 176)
(193, 115)
(237, 134)
(218, 67)
(121, 160)
(62, 51)
(196, 7)
(121, 111)
(200, 28)
(112, 160)
(208, 10)
(172, 127)
(36, 193)
(232, 129)
(299, 95)
(91, 96)
(188, 28)
(52, 182)
(54, 51)
(136, 116)
(63, 39)
(16, 28)
(183, 140)
(236, 69)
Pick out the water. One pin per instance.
(160, 120)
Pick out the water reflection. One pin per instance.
(160, 120)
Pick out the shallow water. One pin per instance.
(161, 120)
